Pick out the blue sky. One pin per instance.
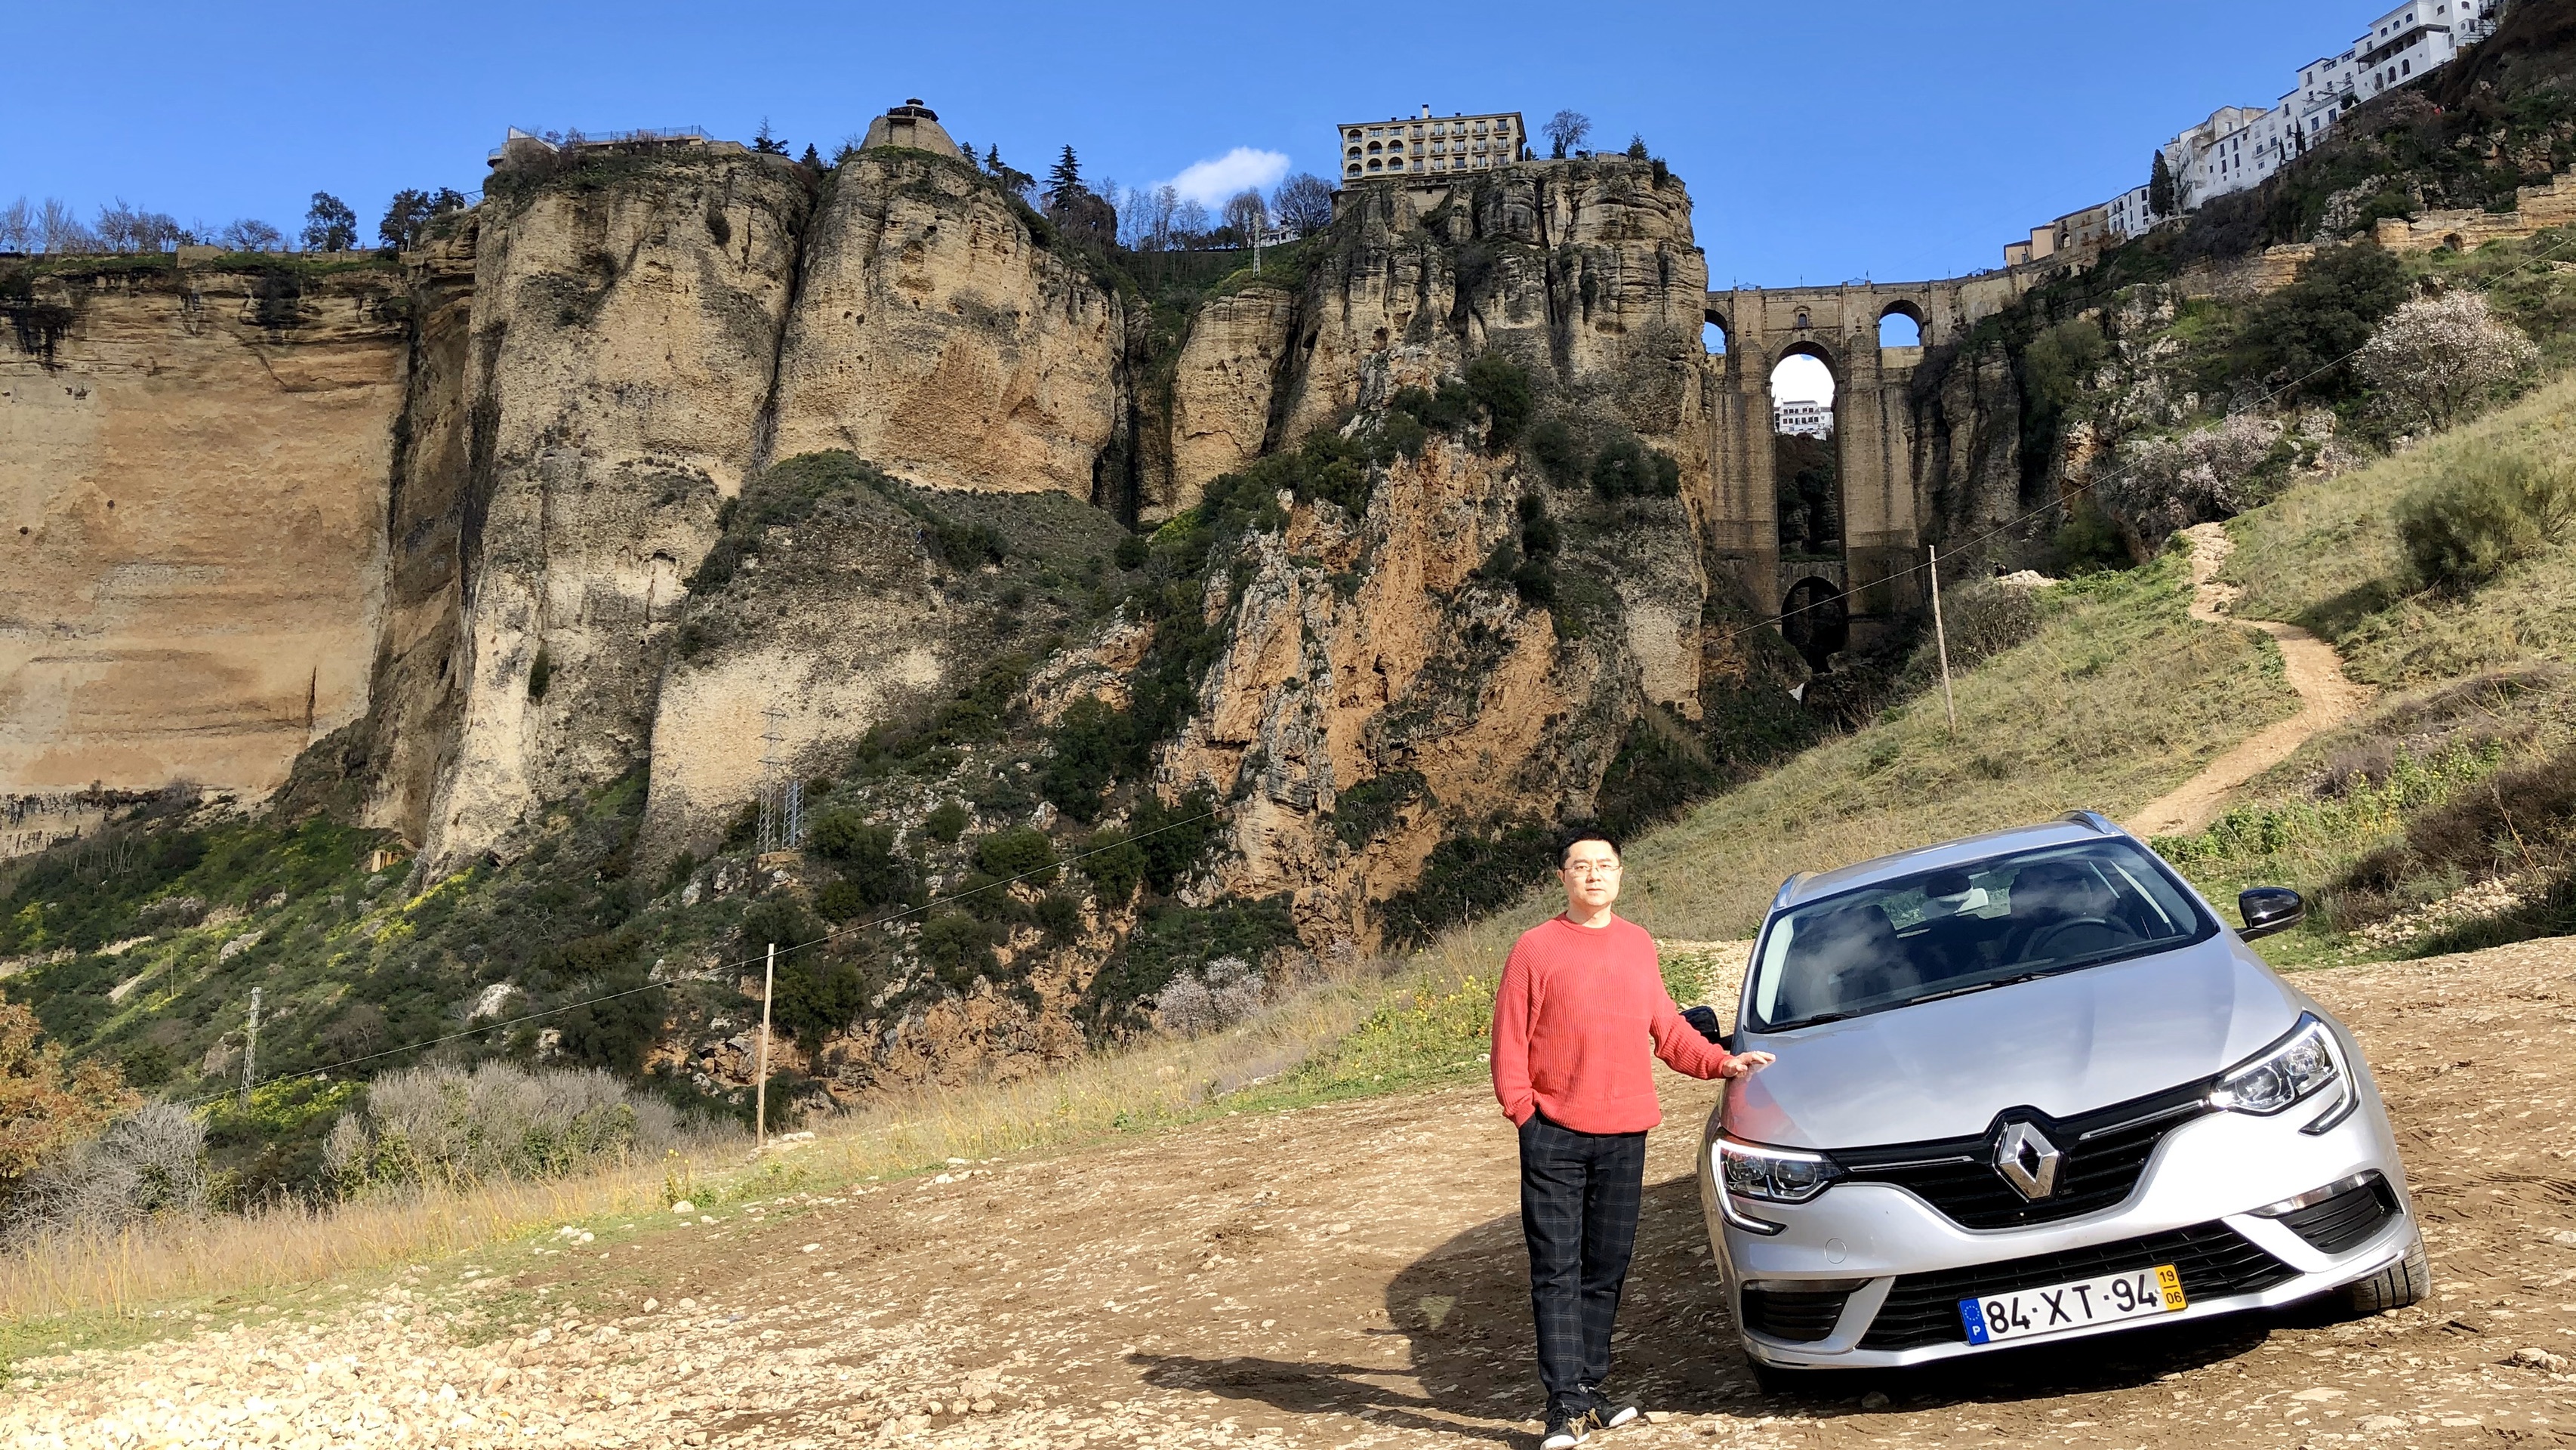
(1821, 141)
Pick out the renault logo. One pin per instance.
(2027, 1160)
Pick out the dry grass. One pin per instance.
(1162, 1081)
(2328, 556)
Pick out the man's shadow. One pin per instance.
(1464, 1311)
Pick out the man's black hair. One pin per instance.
(1580, 832)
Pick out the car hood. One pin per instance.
(2062, 1044)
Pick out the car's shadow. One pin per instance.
(1464, 1310)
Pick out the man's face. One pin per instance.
(1591, 875)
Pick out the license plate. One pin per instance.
(2030, 1313)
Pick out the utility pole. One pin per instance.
(1941, 641)
(250, 1051)
(760, 1082)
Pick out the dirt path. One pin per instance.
(2326, 698)
(1352, 1276)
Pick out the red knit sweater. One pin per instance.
(1576, 1007)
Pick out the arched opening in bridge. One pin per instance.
(1814, 621)
(1901, 325)
(1806, 469)
(1712, 335)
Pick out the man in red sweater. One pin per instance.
(1581, 999)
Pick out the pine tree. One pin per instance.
(2160, 188)
(1064, 179)
(993, 160)
(812, 158)
(1636, 147)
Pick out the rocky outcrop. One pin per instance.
(195, 462)
(621, 346)
(936, 336)
(1224, 385)
(1380, 651)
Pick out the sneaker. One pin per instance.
(1565, 1430)
(1611, 1411)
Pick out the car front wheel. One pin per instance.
(2400, 1284)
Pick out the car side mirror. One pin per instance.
(2268, 909)
(1704, 1019)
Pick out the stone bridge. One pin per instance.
(1882, 503)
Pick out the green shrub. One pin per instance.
(1061, 915)
(1175, 838)
(1174, 939)
(1558, 450)
(1626, 468)
(780, 919)
(817, 995)
(1092, 745)
(946, 822)
(1398, 435)
(2305, 334)
(958, 948)
(1024, 852)
(1470, 874)
(1131, 552)
(2500, 508)
(1365, 811)
(1115, 865)
(845, 835)
(1501, 388)
(843, 900)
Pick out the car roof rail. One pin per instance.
(2093, 821)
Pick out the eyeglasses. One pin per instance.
(1593, 868)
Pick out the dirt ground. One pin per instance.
(1352, 1276)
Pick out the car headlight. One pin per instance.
(2301, 1066)
(1769, 1175)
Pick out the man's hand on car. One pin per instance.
(1745, 1064)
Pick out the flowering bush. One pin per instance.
(2436, 359)
(2163, 484)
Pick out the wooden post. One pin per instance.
(760, 1088)
(1941, 641)
(250, 1051)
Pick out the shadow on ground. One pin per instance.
(1464, 1308)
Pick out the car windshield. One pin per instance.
(1939, 933)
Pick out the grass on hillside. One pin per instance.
(2477, 683)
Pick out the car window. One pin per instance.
(1937, 933)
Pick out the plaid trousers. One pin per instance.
(1579, 1198)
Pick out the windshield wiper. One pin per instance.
(1981, 986)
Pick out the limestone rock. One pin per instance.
(936, 338)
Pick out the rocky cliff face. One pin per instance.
(934, 335)
(1586, 272)
(617, 365)
(193, 462)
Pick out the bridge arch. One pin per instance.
(1902, 324)
(1816, 621)
(1716, 335)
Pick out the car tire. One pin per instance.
(2400, 1284)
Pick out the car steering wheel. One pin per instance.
(2040, 939)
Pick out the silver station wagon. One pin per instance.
(2031, 1088)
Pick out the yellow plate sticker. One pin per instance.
(2171, 1283)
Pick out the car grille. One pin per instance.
(2105, 1151)
(1800, 1316)
(2215, 1262)
(2344, 1221)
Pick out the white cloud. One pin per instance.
(1210, 183)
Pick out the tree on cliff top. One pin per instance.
(329, 225)
(408, 215)
(1565, 131)
(1064, 180)
(1303, 204)
(766, 143)
(2160, 188)
(1636, 147)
